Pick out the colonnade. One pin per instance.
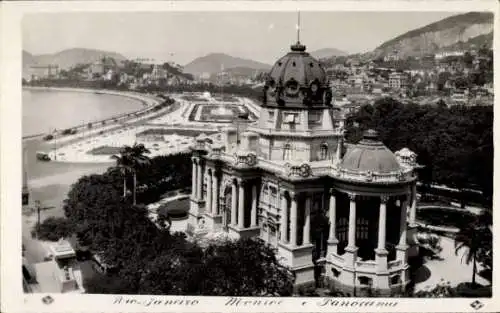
(238, 201)
(382, 220)
(212, 201)
(292, 219)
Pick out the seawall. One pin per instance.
(148, 102)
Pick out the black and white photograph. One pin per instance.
(264, 154)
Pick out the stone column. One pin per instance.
(381, 252)
(215, 194)
(332, 238)
(194, 194)
(253, 213)
(293, 219)
(402, 246)
(351, 251)
(241, 204)
(209, 192)
(413, 209)
(199, 178)
(352, 221)
(234, 201)
(307, 222)
(382, 218)
(284, 219)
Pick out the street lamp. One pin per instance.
(55, 144)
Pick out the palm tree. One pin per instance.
(125, 165)
(136, 153)
(475, 238)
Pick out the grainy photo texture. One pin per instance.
(265, 154)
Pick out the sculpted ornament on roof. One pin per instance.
(303, 170)
(246, 158)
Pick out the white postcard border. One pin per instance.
(13, 300)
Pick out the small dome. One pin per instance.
(370, 154)
(297, 79)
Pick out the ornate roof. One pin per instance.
(297, 79)
(370, 155)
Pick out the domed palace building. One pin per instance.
(290, 179)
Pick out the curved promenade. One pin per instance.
(98, 143)
(148, 102)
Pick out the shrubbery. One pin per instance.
(52, 229)
(462, 290)
(454, 145)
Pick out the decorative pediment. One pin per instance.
(302, 170)
(245, 158)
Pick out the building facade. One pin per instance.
(291, 180)
(398, 80)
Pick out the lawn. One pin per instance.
(225, 98)
(105, 150)
(177, 209)
(180, 132)
(194, 98)
(445, 217)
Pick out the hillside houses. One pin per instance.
(132, 73)
(458, 77)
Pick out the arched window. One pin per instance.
(323, 149)
(287, 152)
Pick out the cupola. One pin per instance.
(370, 155)
(297, 80)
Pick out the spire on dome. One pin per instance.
(298, 46)
(298, 27)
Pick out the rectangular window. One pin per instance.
(271, 115)
(290, 118)
(315, 118)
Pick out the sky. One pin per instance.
(184, 36)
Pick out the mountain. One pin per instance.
(244, 71)
(69, 58)
(472, 28)
(327, 53)
(215, 62)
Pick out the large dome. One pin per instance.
(370, 154)
(297, 79)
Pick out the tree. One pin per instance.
(474, 238)
(52, 229)
(444, 139)
(247, 267)
(90, 194)
(125, 165)
(136, 154)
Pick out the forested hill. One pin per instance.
(442, 34)
(454, 144)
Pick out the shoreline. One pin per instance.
(147, 102)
